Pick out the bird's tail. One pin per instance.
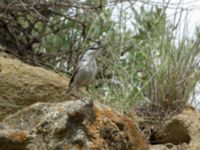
(70, 93)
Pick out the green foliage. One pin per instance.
(157, 71)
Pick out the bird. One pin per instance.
(85, 71)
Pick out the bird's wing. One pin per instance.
(74, 74)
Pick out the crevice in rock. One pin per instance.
(114, 137)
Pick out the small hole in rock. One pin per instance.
(175, 133)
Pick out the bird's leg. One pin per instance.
(89, 92)
(79, 94)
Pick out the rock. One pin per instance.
(181, 132)
(22, 85)
(69, 125)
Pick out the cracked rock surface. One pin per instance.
(69, 125)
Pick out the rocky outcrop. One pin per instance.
(36, 115)
(22, 85)
(69, 125)
(181, 132)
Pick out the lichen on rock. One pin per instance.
(69, 125)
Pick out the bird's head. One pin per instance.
(91, 53)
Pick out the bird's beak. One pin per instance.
(99, 51)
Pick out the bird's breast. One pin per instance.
(87, 74)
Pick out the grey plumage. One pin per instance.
(85, 71)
